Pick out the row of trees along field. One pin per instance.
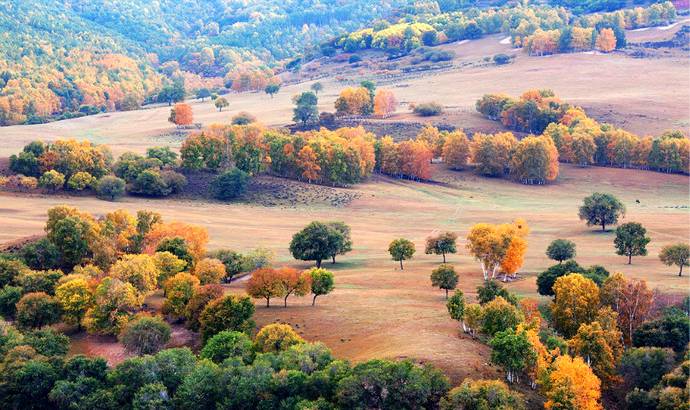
(582, 140)
(538, 29)
(63, 60)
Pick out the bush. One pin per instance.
(110, 187)
(354, 58)
(428, 109)
(9, 296)
(501, 59)
(37, 310)
(228, 344)
(243, 118)
(42, 254)
(229, 184)
(480, 394)
(151, 182)
(25, 163)
(80, 181)
(275, 338)
(51, 180)
(227, 313)
(438, 55)
(145, 335)
(165, 155)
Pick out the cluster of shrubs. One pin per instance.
(429, 109)
(83, 166)
(433, 56)
(582, 140)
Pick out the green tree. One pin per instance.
(41, 254)
(145, 335)
(272, 89)
(491, 289)
(322, 283)
(670, 330)
(178, 247)
(227, 313)
(561, 250)
(305, 110)
(71, 236)
(228, 344)
(172, 93)
(499, 316)
(631, 240)
(444, 277)
(221, 103)
(601, 209)
(165, 155)
(203, 93)
(152, 396)
(512, 351)
(316, 87)
(456, 308)
(9, 296)
(441, 244)
(677, 254)
(643, 367)
(230, 184)
(52, 180)
(316, 242)
(401, 249)
(110, 187)
(482, 394)
(37, 309)
(341, 238)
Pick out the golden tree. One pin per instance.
(576, 302)
(384, 102)
(139, 270)
(209, 270)
(572, 385)
(606, 40)
(456, 150)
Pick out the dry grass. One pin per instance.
(378, 310)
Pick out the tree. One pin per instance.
(316, 87)
(37, 309)
(489, 243)
(322, 283)
(456, 150)
(152, 396)
(41, 254)
(305, 110)
(670, 330)
(272, 89)
(490, 290)
(209, 270)
(354, 101)
(292, 281)
(196, 304)
(276, 337)
(264, 283)
(9, 296)
(599, 347)
(444, 277)
(601, 209)
(220, 103)
(643, 367)
(606, 40)
(572, 385)
(482, 394)
(384, 102)
(168, 266)
(631, 240)
(514, 257)
(500, 315)
(178, 291)
(512, 351)
(227, 313)
(203, 93)
(316, 242)
(561, 250)
(677, 254)
(139, 270)
(401, 249)
(71, 236)
(492, 153)
(576, 302)
(75, 299)
(52, 180)
(110, 187)
(145, 335)
(534, 160)
(115, 302)
(441, 244)
(177, 246)
(341, 238)
(630, 299)
(228, 344)
(456, 308)
(181, 114)
(172, 93)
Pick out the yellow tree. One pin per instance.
(307, 162)
(178, 291)
(75, 298)
(139, 270)
(593, 344)
(576, 302)
(195, 236)
(433, 138)
(209, 270)
(489, 244)
(276, 337)
(572, 385)
(631, 299)
(456, 150)
(514, 257)
(168, 265)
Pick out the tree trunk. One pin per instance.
(630, 259)
(680, 272)
(603, 227)
(285, 300)
(444, 257)
(313, 301)
(268, 302)
(318, 263)
(333, 259)
(401, 267)
(446, 294)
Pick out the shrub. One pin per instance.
(226, 313)
(40, 281)
(428, 109)
(37, 309)
(229, 184)
(26, 183)
(51, 180)
(155, 183)
(80, 181)
(501, 59)
(9, 296)
(480, 394)
(354, 58)
(145, 335)
(110, 187)
(165, 155)
(243, 118)
(25, 163)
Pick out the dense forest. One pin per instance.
(60, 60)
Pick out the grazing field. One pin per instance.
(378, 310)
(644, 96)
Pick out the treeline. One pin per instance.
(539, 29)
(582, 140)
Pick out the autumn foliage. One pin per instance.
(181, 114)
(384, 102)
